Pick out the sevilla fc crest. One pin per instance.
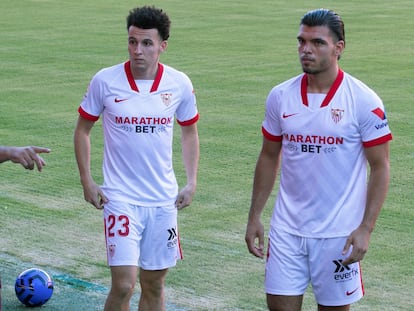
(166, 98)
(337, 114)
(111, 249)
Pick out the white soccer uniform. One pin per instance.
(139, 181)
(138, 131)
(323, 184)
(323, 179)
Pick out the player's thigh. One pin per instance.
(284, 303)
(333, 283)
(123, 231)
(287, 270)
(160, 247)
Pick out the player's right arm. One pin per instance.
(264, 180)
(92, 193)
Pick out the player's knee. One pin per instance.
(153, 287)
(284, 303)
(152, 283)
(123, 289)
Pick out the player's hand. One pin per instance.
(94, 195)
(255, 233)
(28, 156)
(185, 197)
(359, 240)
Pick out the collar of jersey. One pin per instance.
(329, 95)
(131, 80)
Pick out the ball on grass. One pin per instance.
(33, 287)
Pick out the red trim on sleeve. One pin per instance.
(377, 141)
(87, 116)
(271, 137)
(189, 122)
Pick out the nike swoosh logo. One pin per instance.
(288, 115)
(349, 293)
(117, 100)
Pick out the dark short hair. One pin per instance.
(149, 17)
(324, 17)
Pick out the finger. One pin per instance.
(346, 246)
(97, 204)
(251, 246)
(39, 163)
(261, 242)
(181, 206)
(24, 163)
(40, 149)
(350, 259)
(102, 200)
(257, 251)
(355, 256)
(30, 164)
(100, 204)
(92, 200)
(180, 202)
(26, 160)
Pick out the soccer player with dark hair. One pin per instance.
(324, 128)
(139, 101)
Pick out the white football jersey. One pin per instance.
(138, 131)
(323, 181)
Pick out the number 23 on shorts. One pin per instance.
(116, 225)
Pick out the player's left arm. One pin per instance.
(378, 160)
(191, 153)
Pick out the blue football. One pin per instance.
(34, 287)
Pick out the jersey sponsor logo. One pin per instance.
(285, 116)
(172, 234)
(340, 267)
(379, 113)
(166, 98)
(314, 139)
(120, 100)
(382, 125)
(143, 125)
(313, 143)
(343, 273)
(143, 120)
(337, 114)
(172, 238)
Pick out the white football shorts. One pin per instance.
(141, 236)
(294, 262)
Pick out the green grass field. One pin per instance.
(234, 52)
